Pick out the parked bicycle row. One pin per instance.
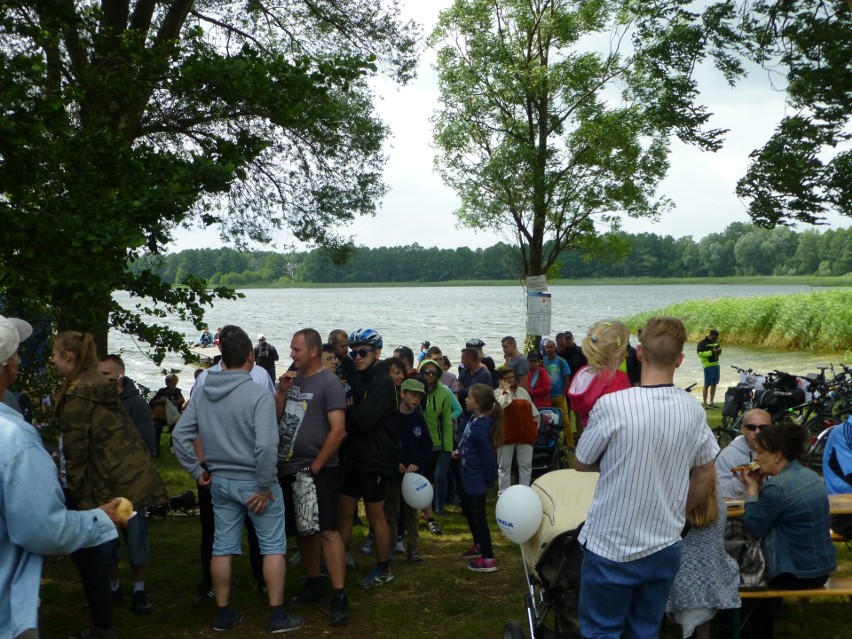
(819, 401)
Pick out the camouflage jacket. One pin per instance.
(104, 452)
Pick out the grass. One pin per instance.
(439, 599)
(816, 321)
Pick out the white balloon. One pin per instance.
(416, 490)
(519, 513)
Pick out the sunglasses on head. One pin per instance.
(360, 352)
(755, 427)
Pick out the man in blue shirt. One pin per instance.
(560, 374)
(33, 518)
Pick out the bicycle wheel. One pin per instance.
(727, 431)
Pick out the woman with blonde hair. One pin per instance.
(105, 458)
(708, 579)
(605, 346)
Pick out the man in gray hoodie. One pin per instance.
(234, 420)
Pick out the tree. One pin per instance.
(805, 169)
(545, 138)
(123, 123)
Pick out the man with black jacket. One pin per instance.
(372, 449)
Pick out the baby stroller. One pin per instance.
(546, 453)
(552, 557)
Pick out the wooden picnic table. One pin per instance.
(837, 505)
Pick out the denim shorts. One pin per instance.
(136, 538)
(712, 375)
(229, 512)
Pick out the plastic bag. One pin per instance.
(305, 503)
(172, 413)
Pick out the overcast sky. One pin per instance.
(419, 208)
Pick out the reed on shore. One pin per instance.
(818, 321)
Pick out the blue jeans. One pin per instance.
(229, 511)
(441, 470)
(626, 599)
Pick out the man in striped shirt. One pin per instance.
(654, 451)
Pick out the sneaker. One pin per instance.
(204, 595)
(288, 623)
(414, 559)
(141, 605)
(483, 565)
(350, 560)
(377, 577)
(368, 545)
(312, 593)
(399, 546)
(339, 610)
(434, 528)
(227, 618)
(295, 559)
(472, 553)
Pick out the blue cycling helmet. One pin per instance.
(366, 336)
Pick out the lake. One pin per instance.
(449, 316)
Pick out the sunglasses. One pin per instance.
(755, 427)
(431, 372)
(360, 352)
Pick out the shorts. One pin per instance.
(360, 484)
(711, 375)
(136, 538)
(229, 513)
(328, 492)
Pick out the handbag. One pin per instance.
(172, 413)
(305, 503)
(748, 554)
(752, 566)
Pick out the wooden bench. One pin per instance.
(834, 587)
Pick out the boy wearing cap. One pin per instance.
(414, 455)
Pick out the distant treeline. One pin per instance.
(741, 249)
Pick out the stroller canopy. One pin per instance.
(565, 499)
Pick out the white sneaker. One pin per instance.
(399, 547)
(368, 545)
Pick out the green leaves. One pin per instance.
(119, 129)
(543, 137)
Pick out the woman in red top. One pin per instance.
(539, 381)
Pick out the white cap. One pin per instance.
(260, 337)
(13, 331)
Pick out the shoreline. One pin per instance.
(744, 280)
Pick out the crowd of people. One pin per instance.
(291, 458)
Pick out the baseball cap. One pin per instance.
(13, 331)
(260, 337)
(412, 385)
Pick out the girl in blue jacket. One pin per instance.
(482, 436)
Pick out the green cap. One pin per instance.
(412, 385)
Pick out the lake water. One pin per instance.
(449, 316)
